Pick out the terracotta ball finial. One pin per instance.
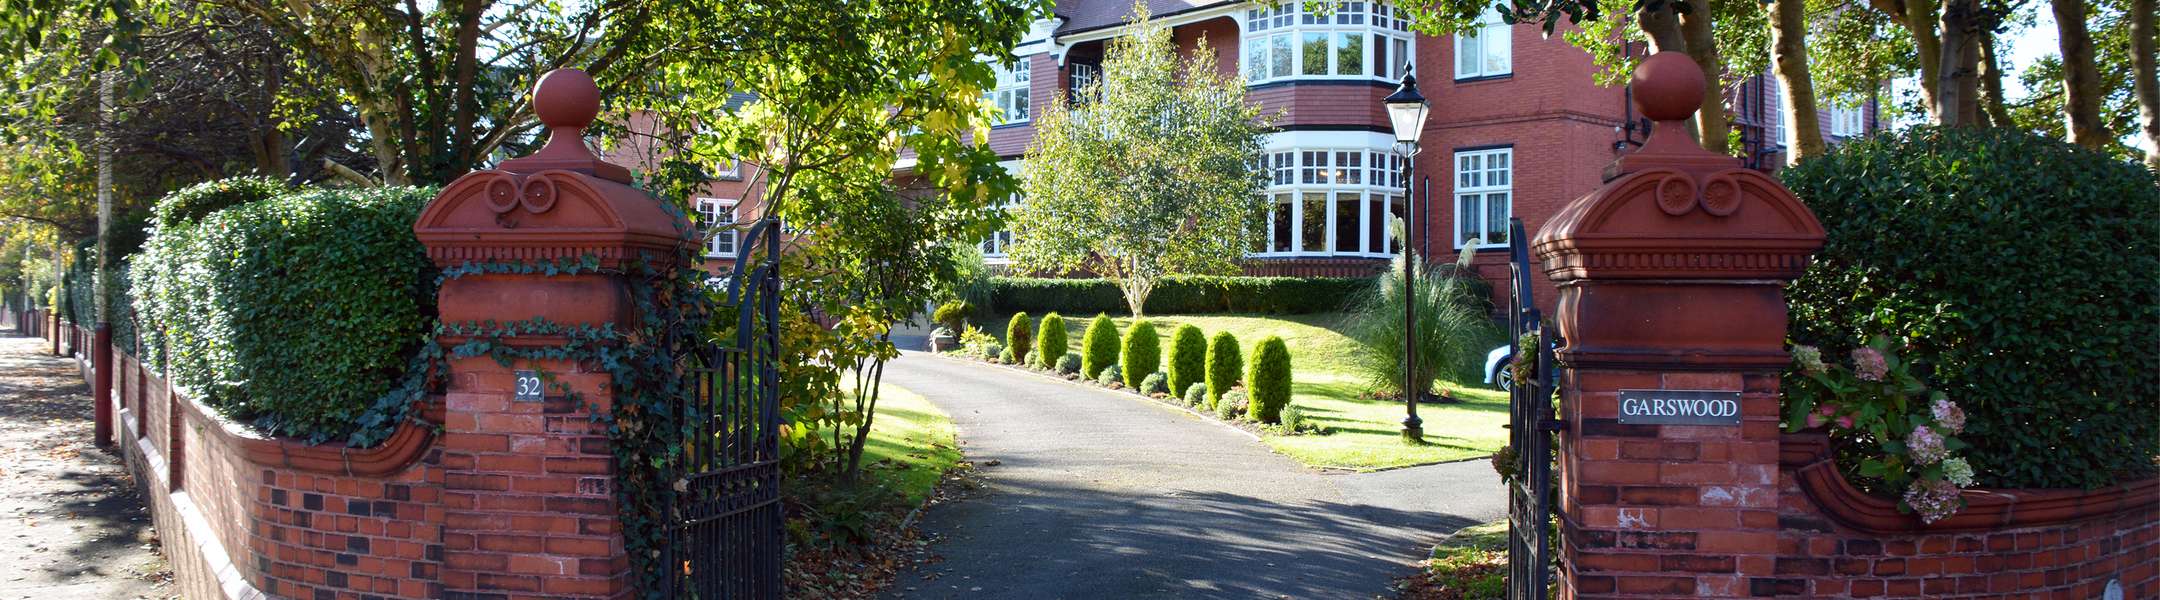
(1668, 86)
(566, 98)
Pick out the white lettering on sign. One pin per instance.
(1679, 407)
(529, 387)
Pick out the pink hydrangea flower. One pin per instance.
(1949, 414)
(1868, 364)
(1934, 500)
(1925, 446)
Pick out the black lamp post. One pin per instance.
(1406, 112)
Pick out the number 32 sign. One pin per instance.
(529, 387)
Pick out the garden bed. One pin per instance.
(1362, 433)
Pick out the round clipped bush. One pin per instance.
(1005, 356)
(1270, 380)
(1188, 357)
(1155, 383)
(1020, 334)
(297, 313)
(1110, 377)
(993, 351)
(1143, 352)
(1102, 347)
(2020, 273)
(1051, 340)
(1224, 363)
(1196, 395)
(952, 314)
(1232, 404)
(1069, 364)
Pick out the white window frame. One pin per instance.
(1848, 122)
(1274, 42)
(722, 239)
(1082, 75)
(728, 169)
(1478, 182)
(1475, 51)
(1011, 93)
(1371, 177)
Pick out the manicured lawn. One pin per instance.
(911, 443)
(1366, 434)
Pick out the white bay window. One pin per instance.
(1331, 202)
(1354, 40)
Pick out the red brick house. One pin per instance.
(1517, 126)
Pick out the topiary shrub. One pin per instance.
(1101, 348)
(1005, 356)
(1224, 363)
(1020, 334)
(952, 314)
(1155, 383)
(1142, 352)
(1188, 357)
(1232, 405)
(1270, 379)
(298, 312)
(1196, 395)
(2021, 273)
(1051, 340)
(1110, 377)
(992, 352)
(189, 205)
(1069, 364)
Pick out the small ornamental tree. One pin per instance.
(1020, 334)
(1051, 341)
(1102, 346)
(1143, 352)
(1224, 363)
(1155, 175)
(952, 314)
(1188, 357)
(1270, 380)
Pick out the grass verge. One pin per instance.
(1471, 564)
(1364, 433)
(911, 444)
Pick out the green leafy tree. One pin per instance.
(1154, 175)
(1102, 347)
(1142, 354)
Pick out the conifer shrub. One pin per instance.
(1143, 352)
(1102, 347)
(952, 314)
(1156, 383)
(1224, 363)
(1188, 357)
(1020, 334)
(1232, 405)
(1110, 377)
(1196, 395)
(1051, 340)
(1270, 379)
(1069, 364)
(1005, 356)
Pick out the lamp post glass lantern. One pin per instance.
(1406, 112)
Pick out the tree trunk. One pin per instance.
(1918, 18)
(1788, 51)
(1712, 125)
(1991, 88)
(2081, 79)
(2143, 79)
(1957, 73)
(104, 200)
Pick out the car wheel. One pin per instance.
(1505, 375)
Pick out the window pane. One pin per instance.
(1255, 59)
(1316, 54)
(1402, 57)
(1467, 212)
(1284, 221)
(1381, 66)
(1346, 221)
(1349, 167)
(1466, 55)
(1020, 104)
(1349, 54)
(1395, 213)
(1496, 218)
(1376, 224)
(1497, 52)
(1279, 55)
(1313, 224)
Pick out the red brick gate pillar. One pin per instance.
(1672, 307)
(528, 481)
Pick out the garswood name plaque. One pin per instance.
(1679, 407)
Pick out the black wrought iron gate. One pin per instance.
(1530, 432)
(725, 529)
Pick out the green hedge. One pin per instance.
(1179, 295)
(297, 312)
(190, 204)
(1142, 354)
(2022, 273)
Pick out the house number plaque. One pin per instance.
(1679, 407)
(529, 387)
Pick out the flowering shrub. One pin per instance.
(1904, 431)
